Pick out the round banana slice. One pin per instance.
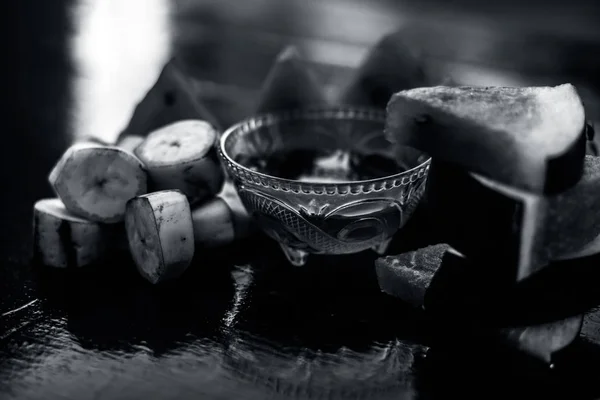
(221, 220)
(183, 156)
(95, 182)
(61, 239)
(160, 234)
(130, 142)
(91, 139)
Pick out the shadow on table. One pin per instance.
(322, 331)
(483, 371)
(109, 307)
(327, 329)
(467, 291)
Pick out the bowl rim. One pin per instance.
(314, 112)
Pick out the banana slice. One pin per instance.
(63, 240)
(95, 182)
(130, 142)
(126, 142)
(90, 139)
(221, 220)
(242, 220)
(182, 156)
(160, 234)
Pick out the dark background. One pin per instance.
(78, 68)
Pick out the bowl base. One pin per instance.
(381, 248)
(296, 257)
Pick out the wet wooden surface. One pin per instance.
(243, 325)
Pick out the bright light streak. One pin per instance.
(118, 50)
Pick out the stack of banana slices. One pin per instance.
(159, 191)
(107, 192)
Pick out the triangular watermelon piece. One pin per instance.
(532, 138)
(290, 84)
(393, 64)
(170, 99)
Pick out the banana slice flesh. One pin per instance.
(63, 240)
(182, 156)
(242, 220)
(130, 142)
(95, 182)
(160, 234)
(91, 139)
(221, 220)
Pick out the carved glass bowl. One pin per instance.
(323, 180)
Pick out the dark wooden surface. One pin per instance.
(241, 324)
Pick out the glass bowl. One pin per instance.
(324, 180)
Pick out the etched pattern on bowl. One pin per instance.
(323, 217)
